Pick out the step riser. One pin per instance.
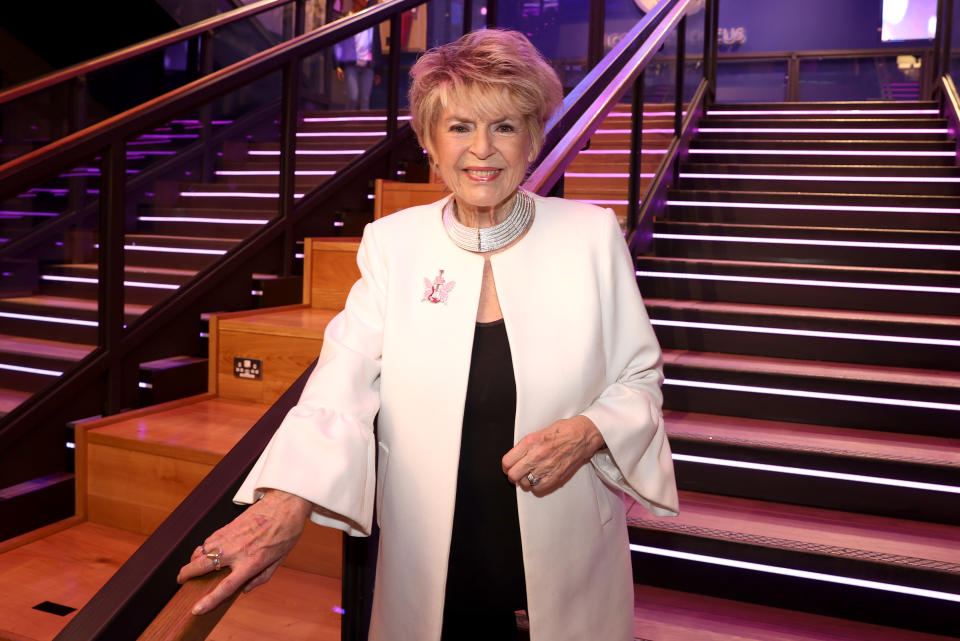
(199, 230)
(135, 295)
(167, 260)
(843, 601)
(800, 489)
(811, 348)
(819, 187)
(44, 330)
(803, 159)
(815, 411)
(813, 218)
(817, 254)
(707, 138)
(800, 295)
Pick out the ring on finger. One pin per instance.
(215, 557)
(532, 480)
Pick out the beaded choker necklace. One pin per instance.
(487, 239)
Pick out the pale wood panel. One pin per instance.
(331, 272)
(67, 567)
(175, 622)
(283, 358)
(391, 196)
(293, 606)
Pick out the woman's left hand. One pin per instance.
(552, 455)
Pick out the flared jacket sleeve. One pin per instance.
(324, 451)
(636, 458)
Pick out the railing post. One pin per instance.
(467, 16)
(793, 77)
(636, 152)
(946, 35)
(595, 32)
(678, 98)
(715, 47)
(393, 84)
(288, 158)
(710, 48)
(300, 18)
(206, 111)
(492, 18)
(111, 267)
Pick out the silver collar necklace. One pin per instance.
(488, 239)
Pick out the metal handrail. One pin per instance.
(652, 31)
(139, 49)
(61, 154)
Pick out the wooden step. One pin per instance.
(851, 546)
(897, 339)
(860, 396)
(68, 567)
(134, 468)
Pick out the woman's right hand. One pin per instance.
(253, 545)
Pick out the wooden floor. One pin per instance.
(70, 566)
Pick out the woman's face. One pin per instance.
(481, 155)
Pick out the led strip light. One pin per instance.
(94, 281)
(187, 219)
(800, 574)
(825, 474)
(930, 289)
(805, 241)
(232, 194)
(872, 179)
(176, 250)
(49, 319)
(828, 396)
(823, 152)
(308, 152)
(628, 131)
(274, 172)
(339, 134)
(30, 370)
(810, 333)
(818, 112)
(622, 151)
(816, 206)
(572, 174)
(821, 130)
(352, 118)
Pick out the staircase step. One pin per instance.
(892, 128)
(28, 364)
(884, 248)
(72, 320)
(870, 106)
(201, 222)
(871, 338)
(923, 291)
(876, 397)
(875, 179)
(900, 153)
(143, 285)
(816, 210)
(174, 252)
(751, 559)
(865, 471)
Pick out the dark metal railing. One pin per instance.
(202, 31)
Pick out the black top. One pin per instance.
(486, 560)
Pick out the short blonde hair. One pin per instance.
(492, 69)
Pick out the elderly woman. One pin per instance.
(502, 339)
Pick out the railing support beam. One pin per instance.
(288, 159)
(111, 266)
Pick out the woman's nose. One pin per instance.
(482, 145)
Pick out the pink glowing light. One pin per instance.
(818, 207)
(821, 130)
(806, 241)
(763, 280)
(826, 152)
(864, 179)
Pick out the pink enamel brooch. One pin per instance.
(438, 290)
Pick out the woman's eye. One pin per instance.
(458, 129)
(505, 128)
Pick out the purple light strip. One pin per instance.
(94, 281)
(825, 152)
(780, 331)
(820, 130)
(825, 112)
(627, 131)
(309, 152)
(574, 174)
(825, 474)
(800, 574)
(30, 370)
(148, 142)
(805, 241)
(20, 214)
(149, 152)
(604, 202)
(166, 137)
(646, 114)
(188, 219)
(794, 177)
(625, 152)
(353, 119)
(275, 172)
(827, 396)
(232, 194)
(49, 319)
(929, 289)
(176, 250)
(339, 134)
(818, 207)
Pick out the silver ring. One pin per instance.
(532, 480)
(215, 557)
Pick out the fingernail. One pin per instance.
(198, 609)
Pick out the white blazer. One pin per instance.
(581, 343)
